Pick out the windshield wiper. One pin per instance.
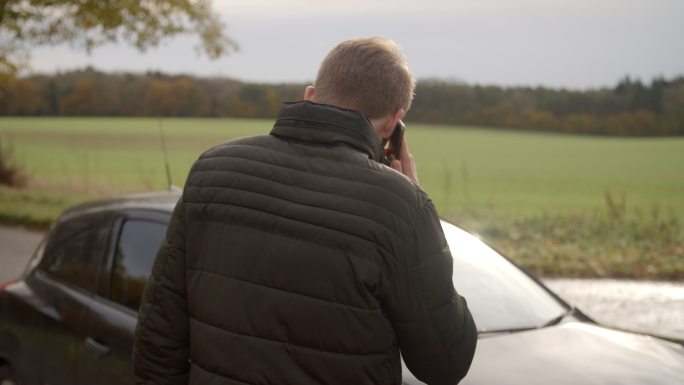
(511, 330)
(553, 321)
(556, 320)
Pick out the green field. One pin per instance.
(545, 199)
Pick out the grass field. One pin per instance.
(555, 203)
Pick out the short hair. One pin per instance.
(369, 75)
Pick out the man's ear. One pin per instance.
(391, 123)
(309, 94)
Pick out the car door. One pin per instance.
(112, 315)
(50, 331)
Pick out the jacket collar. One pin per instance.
(325, 124)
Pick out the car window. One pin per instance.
(75, 248)
(500, 296)
(136, 249)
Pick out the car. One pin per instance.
(70, 318)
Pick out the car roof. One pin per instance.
(158, 200)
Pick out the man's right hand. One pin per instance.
(406, 164)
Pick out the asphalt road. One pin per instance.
(644, 306)
(16, 247)
(651, 307)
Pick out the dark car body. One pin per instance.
(70, 318)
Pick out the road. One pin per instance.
(16, 247)
(646, 306)
(651, 307)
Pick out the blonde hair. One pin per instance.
(369, 75)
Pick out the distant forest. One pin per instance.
(630, 108)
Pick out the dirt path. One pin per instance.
(16, 247)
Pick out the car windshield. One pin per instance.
(500, 296)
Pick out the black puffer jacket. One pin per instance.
(297, 258)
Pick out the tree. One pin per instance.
(90, 23)
(159, 99)
(23, 97)
(81, 100)
(673, 107)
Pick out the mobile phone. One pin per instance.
(394, 147)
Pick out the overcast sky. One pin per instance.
(560, 43)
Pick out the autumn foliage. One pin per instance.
(631, 108)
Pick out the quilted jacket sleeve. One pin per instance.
(436, 332)
(161, 352)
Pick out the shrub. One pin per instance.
(10, 174)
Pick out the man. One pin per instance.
(299, 258)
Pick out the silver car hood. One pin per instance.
(573, 353)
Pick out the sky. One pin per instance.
(572, 44)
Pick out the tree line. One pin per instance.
(630, 108)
